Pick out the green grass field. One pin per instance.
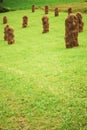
(63, 5)
(43, 85)
(26, 4)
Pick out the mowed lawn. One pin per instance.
(43, 85)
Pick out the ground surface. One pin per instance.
(26, 4)
(43, 85)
